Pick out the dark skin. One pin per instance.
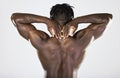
(61, 53)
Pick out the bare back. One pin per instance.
(60, 57)
(54, 49)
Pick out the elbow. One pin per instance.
(15, 18)
(107, 17)
(103, 18)
(110, 16)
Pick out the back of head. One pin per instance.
(60, 9)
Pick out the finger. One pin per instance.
(72, 30)
(54, 34)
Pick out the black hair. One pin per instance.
(62, 8)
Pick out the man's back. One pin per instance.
(62, 53)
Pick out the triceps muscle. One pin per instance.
(24, 30)
(85, 39)
(98, 29)
(94, 30)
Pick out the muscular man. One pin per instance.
(62, 52)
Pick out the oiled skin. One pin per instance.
(62, 53)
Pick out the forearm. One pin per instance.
(24, 18)
(94, 18)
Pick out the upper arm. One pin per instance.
(85, 36)
(98, 22)
(25, 29)
(94, 30)
(23, 22)
(97, 29)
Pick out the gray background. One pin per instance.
(18, 58)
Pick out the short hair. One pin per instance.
(62, 8)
